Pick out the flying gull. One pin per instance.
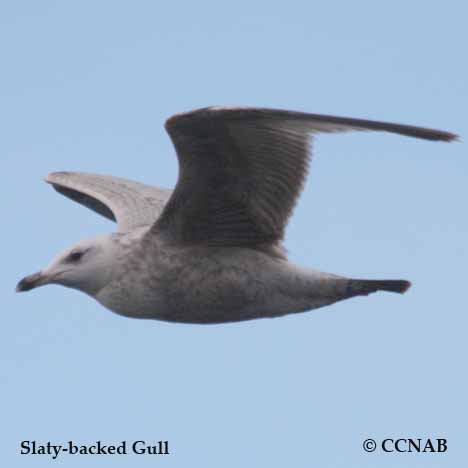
(210, 250)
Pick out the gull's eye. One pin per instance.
(75, 256)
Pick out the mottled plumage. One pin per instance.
(210, 251)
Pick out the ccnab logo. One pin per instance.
(414, 445)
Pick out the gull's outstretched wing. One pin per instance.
(130, 203)
(241, 171)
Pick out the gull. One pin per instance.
(210, 250)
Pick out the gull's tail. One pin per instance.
(359, 287)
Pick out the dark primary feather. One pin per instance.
(86, 200)
(241, 171)
(130, 203)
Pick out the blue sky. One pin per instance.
(87, 86)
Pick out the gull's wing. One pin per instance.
(241, 171)
(130, 203)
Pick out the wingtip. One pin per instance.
(450, 137)
(52, 177)
(48, 178)
(405, 285)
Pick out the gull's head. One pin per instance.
(86, 266)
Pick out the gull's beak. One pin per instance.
(32, 281)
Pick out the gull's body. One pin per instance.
(213, 284)
(210, 251)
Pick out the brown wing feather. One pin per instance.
(241, 171)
